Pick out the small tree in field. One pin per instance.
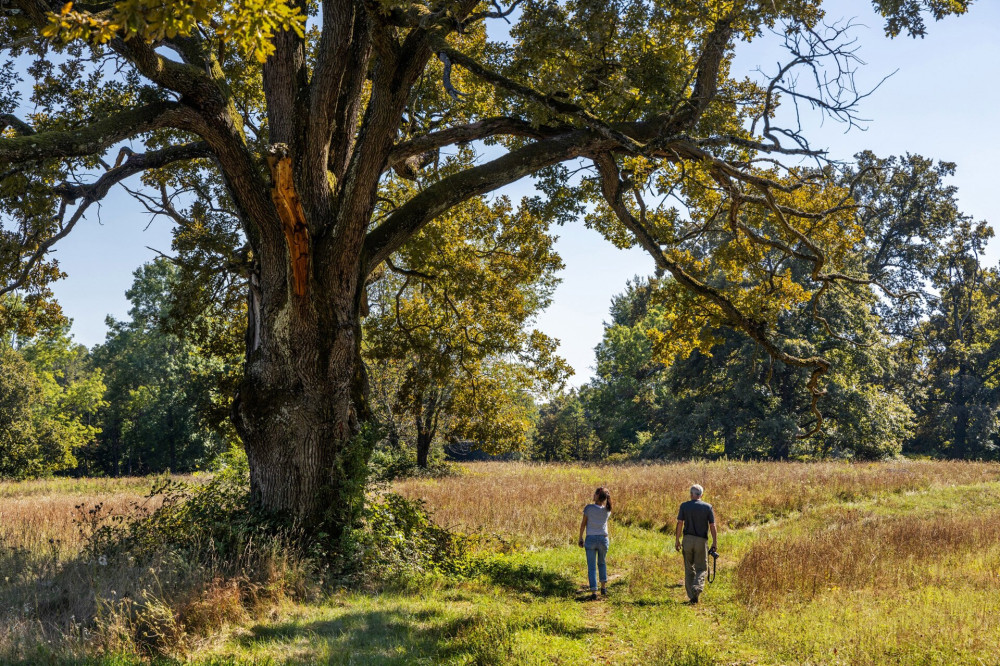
(285, 118)
(448, 334)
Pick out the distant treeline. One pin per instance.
(146, 400)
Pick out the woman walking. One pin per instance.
(595, 528)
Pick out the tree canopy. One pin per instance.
(276, 124)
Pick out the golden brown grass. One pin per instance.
(860, 551)
(541, 503)
(43, 514)
(55, 593)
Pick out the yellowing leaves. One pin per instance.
(249, 25)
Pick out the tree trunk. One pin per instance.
(303, 399)
(423, 448)
(299, 412)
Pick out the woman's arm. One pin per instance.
(583, 528)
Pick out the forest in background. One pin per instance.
(454, 359)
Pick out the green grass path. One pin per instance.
(529, 610)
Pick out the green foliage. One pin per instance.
(732, 401)
(954, 355)
(51, 399)
(249, 25)
(908, 15)
(563, 431)
(192, 520)
(20, 455)
(166, 407)
(449, 339)
(399, 539)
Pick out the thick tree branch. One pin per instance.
(706, 83)
(476, 131)
(549, 102)
(90, 140)
(135, 163)
(94, 192)
(19, 126)
(408, 218)
(187, 80)
(612, 189)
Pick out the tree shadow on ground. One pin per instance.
(527, 579)
(388, 636)
(394, 636)
(40, 659)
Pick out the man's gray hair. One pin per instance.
(697, 490)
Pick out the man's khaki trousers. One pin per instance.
(695, 551)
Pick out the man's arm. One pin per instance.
(715, 534)
(677, 534)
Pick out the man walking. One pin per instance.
(694, 521)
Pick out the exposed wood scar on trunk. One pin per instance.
(293, 220)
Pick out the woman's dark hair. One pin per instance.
(604, 495)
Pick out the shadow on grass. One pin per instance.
(376, 637)
(527, 578)
(393, 636)
(41, 659)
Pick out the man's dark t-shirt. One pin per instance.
(697, 516)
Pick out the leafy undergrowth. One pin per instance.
(869, 570)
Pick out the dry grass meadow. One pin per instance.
(539, 503)
(823, 563)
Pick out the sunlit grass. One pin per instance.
(893, 563)
(539, 503)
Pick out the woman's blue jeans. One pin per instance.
(597, 550)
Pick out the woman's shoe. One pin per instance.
(593, 596)
(604, 591)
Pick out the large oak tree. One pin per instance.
(286, 116)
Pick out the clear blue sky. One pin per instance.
(942, 103)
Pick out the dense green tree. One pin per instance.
(49, 407)
(955, 354)
(907, 212)
(67, 414)
(564, 432)
(20, 453)
(162, 389)
(731, 399)
(222, 95)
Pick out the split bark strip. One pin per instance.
(293, 219)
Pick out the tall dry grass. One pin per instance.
(44, 514)
(541, 503)
(60, 600)
(858, 551)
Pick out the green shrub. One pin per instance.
(399, 538)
